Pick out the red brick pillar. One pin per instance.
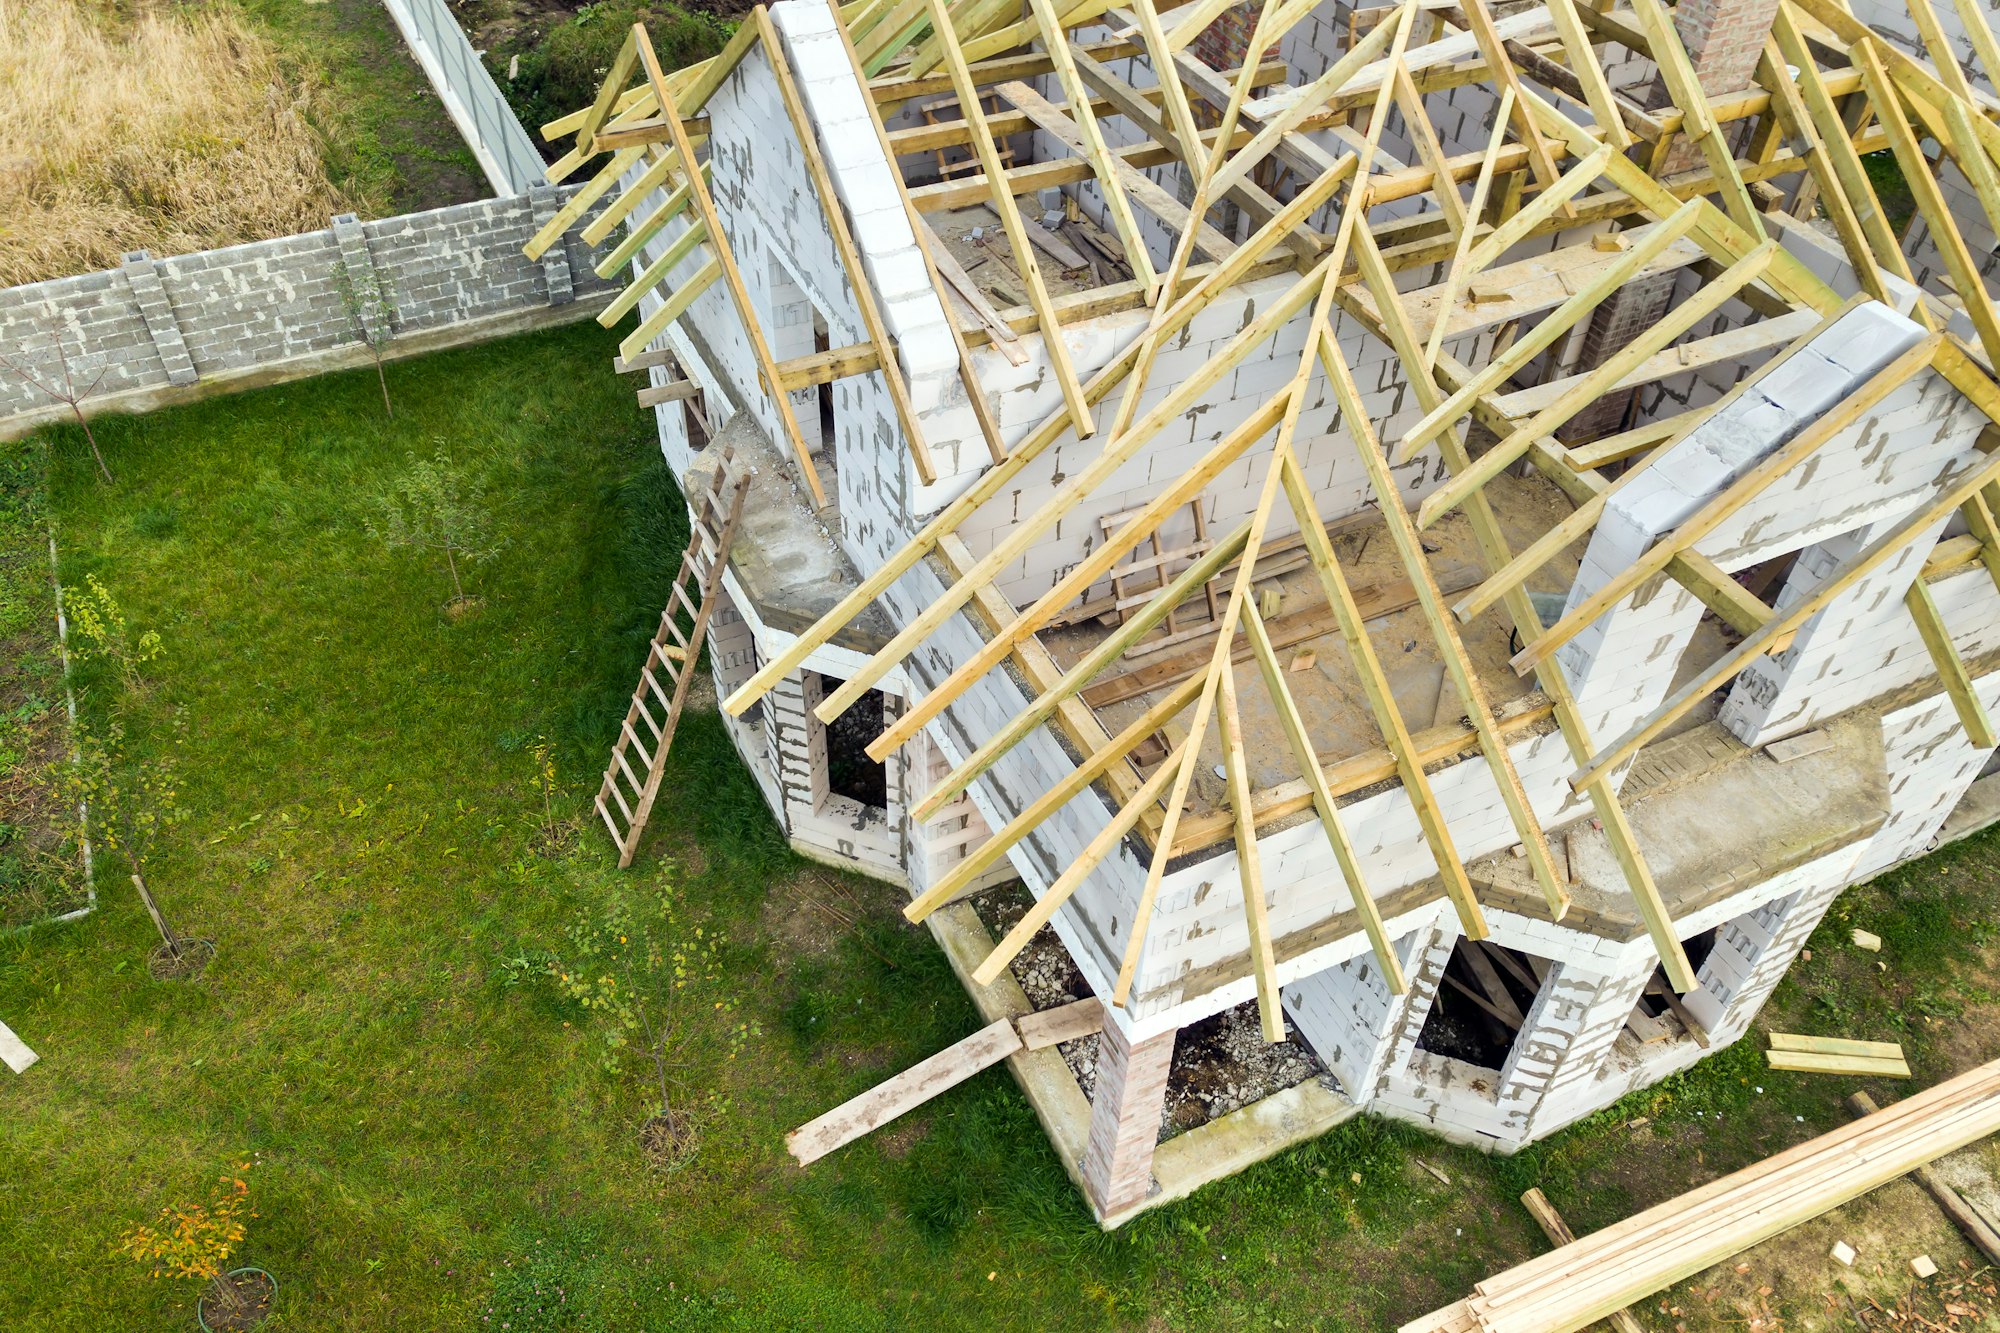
(1125, 1119)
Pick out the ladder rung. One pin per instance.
(633, 737)
(686, 600)
(640, 710)
(612, 787)
(611, 824)
(638, 784)
(665, 698)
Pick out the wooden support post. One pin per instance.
(1950, 666)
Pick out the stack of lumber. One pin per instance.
(1837, 1055)
(1581, 1283)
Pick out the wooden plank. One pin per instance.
(1552, 1225)
(1968, 1219)
(903, 1093)
(1073, 875)
(1807, 1062)
(1831, 138)
(14, 1052)
(1403, 535)
(1123, 445)
(1493, 49)
(677, 391)
(1876, 1050)
(1066, 1022)
(1574, 1285)
(1493, 547)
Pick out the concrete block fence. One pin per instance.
(156, 331)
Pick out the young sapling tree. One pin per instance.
(434, 507)
(63, 389)
(135, 800)
(644, 974)
(370, 302)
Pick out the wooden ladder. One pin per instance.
(628, 792)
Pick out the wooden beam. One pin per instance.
(1299, 736)
(1066, 789)
(1141, 524)
(1106, 167)
(1930, 200)
(903, 1093)
(1010, 221)
(1504, 367)
(1950, 666)
(1597, 383)
(725, 260)
(1263, 963)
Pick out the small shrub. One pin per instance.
(196, 1240)
(99, 633)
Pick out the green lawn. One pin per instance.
(438, 1142)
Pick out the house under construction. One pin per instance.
(1455, 529)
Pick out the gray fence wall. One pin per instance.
(474, 102)
(271, 309)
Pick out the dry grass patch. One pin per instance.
(162, 129)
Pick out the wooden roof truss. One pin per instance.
(1829, 90)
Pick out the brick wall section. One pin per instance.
(1125, 1118)
(156, 323)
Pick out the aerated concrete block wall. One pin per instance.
(162, 323)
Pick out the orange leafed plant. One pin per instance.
(195, 1240)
